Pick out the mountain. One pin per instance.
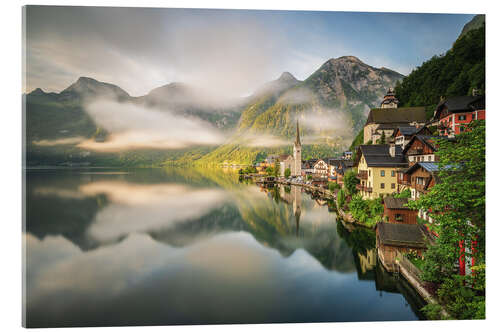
(344, 86)
(476, 23)
(342, 90)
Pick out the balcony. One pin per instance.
(362, 174)
(417, 151)
(362, 188)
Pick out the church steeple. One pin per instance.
(297, 138)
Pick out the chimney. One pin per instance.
(392, 150)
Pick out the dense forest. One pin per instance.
(456, 73)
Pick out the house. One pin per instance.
(392, 238)
(307, 168)
(422, 148)
(377, 166)
(320, 169)
(386, 121)
(403, 134)
(454, 113)
(396, 211)
(422, 177)
(335, 165)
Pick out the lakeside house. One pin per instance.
(392, 238)
(396, 211)
(454, 113)
(377, 166)
(388, 118)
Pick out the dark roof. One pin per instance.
(335, 162)
(432, 167)
(348, 163)
(429, 140)
(395, 203)
(378, 155)
(396, 115)
(460, 104)
(395, 234)
(283, 157)
(407, 130)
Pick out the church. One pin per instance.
(293, 162)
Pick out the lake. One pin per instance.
(185, 246)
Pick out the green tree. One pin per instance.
(350, 181)
(276, 169)
(457, 205)
(287, 172)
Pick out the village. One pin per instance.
(375, 185)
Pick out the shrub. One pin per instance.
(287, 172)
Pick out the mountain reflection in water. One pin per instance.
(181, 246)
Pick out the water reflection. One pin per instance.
(152, 247)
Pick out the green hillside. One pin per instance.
(456, 73)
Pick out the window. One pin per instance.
(462, 117)
(369, 172)
(382, 185)
(382, 173)
(420, 180)
(399, 217)
(393, 185)
(462, 129)
(393, 173)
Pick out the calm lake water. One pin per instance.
(157, 247)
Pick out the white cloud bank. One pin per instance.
(135, 127)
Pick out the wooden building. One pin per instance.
(396, 211)
(403, 134)
(392, 238)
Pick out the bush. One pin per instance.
(341, 198)
(350, 182)
(287, 172)
(333, 186)
(404, 194)
(368, 212)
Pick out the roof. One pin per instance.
(460, 104)
(429, 140)
(432, 167)
(378, 155)
(335, 162)
(284, 157)
(395, 203)
(407, 130)
(395, 234)
(396, 115)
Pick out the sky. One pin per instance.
(227, 52)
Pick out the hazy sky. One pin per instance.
(228, 51)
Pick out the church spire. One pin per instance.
(297, 138)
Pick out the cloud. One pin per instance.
(133, 127)
(142, 207)
(326, 123)
(226, 52)
(64, 141)
(297, 96)
(263, 140)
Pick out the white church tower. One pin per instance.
(297, 155)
